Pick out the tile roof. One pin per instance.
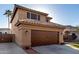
(38, 23)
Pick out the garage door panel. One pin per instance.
(43, 37)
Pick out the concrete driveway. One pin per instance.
(56, 49)
(10, 48)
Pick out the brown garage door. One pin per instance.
(44, 37)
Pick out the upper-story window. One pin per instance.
(28, 15)
(33, 16)
(38, 17)
(47, 20)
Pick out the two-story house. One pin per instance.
(33, 28)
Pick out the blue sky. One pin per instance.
(66, 14)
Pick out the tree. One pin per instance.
(8, 13)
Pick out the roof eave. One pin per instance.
(34, 24)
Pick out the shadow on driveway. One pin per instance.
(56, 49)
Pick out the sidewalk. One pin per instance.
(31, 51)
(11, 48)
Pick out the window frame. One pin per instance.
(33, 16)
(47, 20)
(30, 16)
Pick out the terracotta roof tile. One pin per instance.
(38, 23)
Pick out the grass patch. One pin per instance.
(75, 44)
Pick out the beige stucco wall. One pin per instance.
(61, 37)
(22, 14)
(14, 29)
(26, 38)
(42, 18)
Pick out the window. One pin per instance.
(38, 17)
(28, 15)
(33, 16)
(47, 20)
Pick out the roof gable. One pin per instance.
(24, 8)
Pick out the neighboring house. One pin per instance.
(77, 33)
(33, 28)
(71, 29)
(4, 30)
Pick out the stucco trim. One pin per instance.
(39, 24)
